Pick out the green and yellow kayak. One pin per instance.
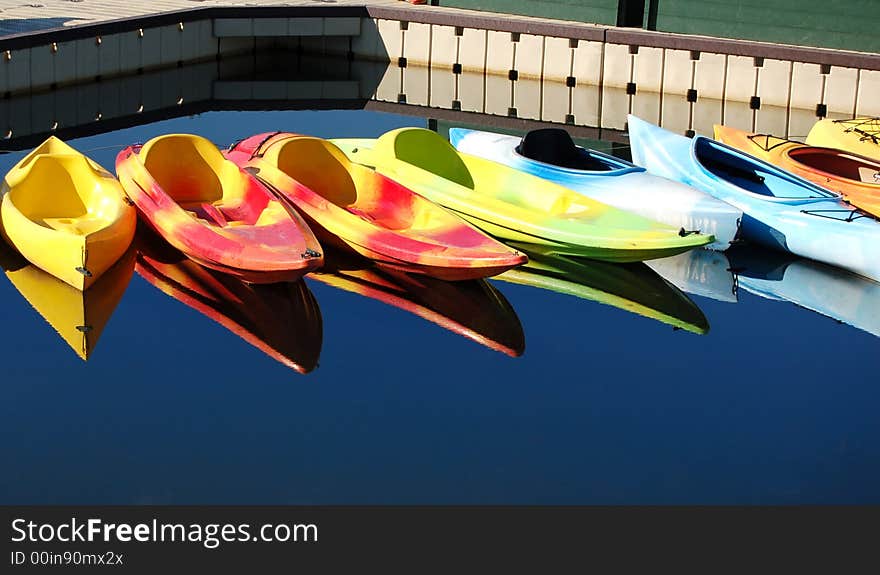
(515, 206)
(633, 287)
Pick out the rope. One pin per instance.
(867, 128)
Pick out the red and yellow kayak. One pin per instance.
(213, 212)
(282, 320)
(856, 178)
(352, 206)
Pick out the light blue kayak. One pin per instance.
(781, 210)
(551, 154)
(826, 290)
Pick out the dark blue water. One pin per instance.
(776, 404)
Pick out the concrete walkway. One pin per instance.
(20, 16)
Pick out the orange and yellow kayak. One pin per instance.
(352, 206)
(282, 320)
(856, 178)
(215, 213)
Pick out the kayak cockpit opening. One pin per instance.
(54, 191)
(752, 174)
(432, 152)
(838, 163)
(320, 166)
(554, 146)
(187, 168)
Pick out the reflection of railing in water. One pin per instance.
(234, 83)
(284, 79)
(604, 109)
(277, 80)
(496, 65)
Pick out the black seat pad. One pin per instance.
(554, 146)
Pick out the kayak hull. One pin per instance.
(796, 216)
(623, 185)
(65, 214)
(514, 206)
(352, 207)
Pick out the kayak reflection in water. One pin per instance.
(79, 317)
(282, 320)
(633, 287)
(472, 308)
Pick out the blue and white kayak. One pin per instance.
(551, 154)
(826, 290)
(781, 210)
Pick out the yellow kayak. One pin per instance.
(65, 214)
(515, 206)
(859, 135)
(79, 317)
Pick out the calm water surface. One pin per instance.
(776, 404)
